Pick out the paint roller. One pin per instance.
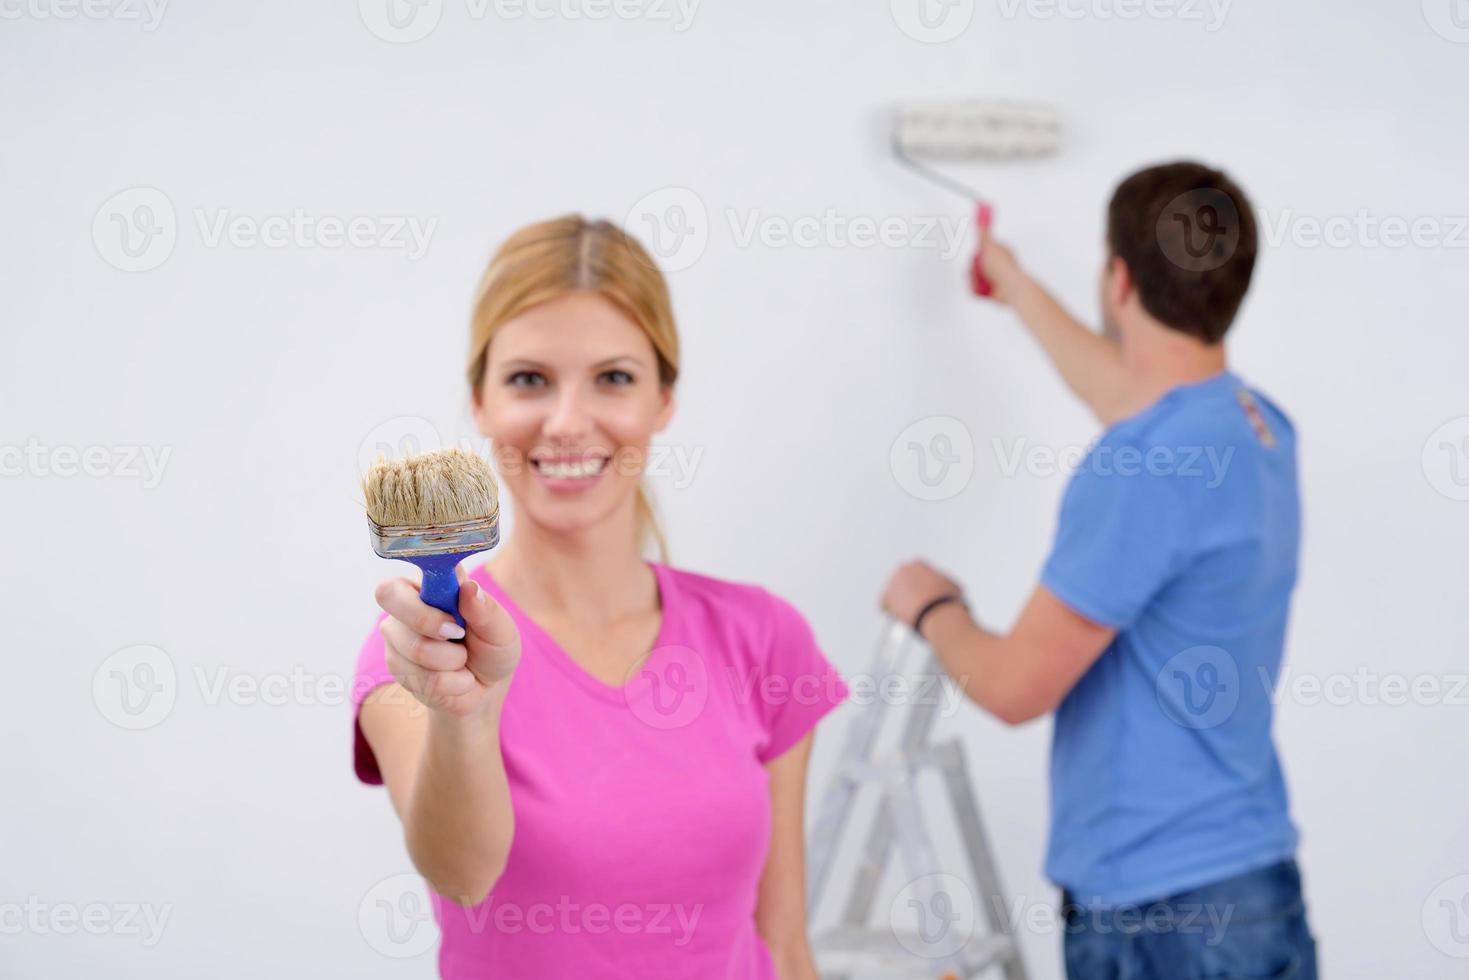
(931, 133)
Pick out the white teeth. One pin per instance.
(571, 471)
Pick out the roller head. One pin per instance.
(976, 130)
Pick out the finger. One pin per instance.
(485, 618)
(431, 684)
(399, 599)
(422, 651)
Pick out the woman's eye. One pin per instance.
(618, 376)
(526, 379)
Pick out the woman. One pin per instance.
(608, 781)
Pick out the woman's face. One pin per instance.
(571, 398)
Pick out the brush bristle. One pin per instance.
(976, 130)
(445, 486)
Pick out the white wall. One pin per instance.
(262, 370)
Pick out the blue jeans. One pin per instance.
(1250, 926)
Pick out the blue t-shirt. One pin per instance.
(1180, 529)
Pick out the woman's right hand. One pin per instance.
(454, 678)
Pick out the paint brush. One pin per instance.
(433, 509)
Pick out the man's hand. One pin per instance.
(913, 586)
(998, 264)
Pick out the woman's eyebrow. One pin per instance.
(525, 363)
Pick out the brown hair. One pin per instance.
(551, 258)
(1187, 235)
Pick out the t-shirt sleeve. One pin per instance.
(800, 686)
(372, 672)
(1121, 537)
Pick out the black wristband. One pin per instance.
(934, 604)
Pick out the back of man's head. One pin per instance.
(1187, 235)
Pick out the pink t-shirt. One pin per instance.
(642, 813)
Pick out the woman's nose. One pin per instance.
(568, 418)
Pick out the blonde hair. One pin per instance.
(552, 258)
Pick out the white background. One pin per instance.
(263, 370)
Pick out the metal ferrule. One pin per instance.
(434, 539)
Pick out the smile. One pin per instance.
(569, 468)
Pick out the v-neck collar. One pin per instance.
(636, 686)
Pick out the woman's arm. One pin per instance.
(436, 735)
(780, 912)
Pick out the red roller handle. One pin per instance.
(983, 215)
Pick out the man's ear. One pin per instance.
(1121, 285)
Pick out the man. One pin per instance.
(1157, 628)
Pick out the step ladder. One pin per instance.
(936, 948)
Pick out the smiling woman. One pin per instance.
(613, 766)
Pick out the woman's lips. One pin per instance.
(569, 474)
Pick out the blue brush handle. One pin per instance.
(441, 583)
